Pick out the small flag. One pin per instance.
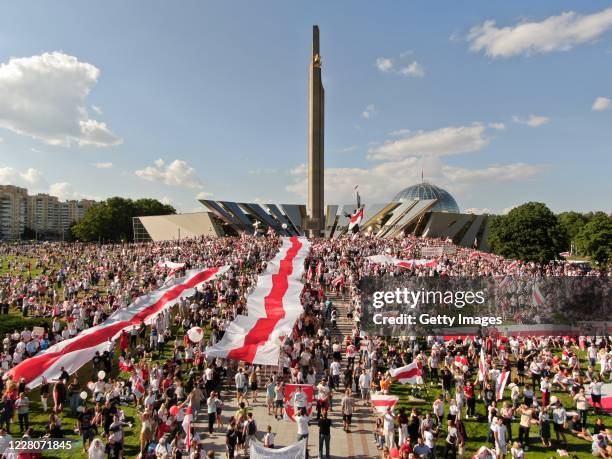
(409, 374)
(355, 220)
(502, 380)
(482, 366)
(382, 402)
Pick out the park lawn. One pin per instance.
(477, 431)
(4, 265)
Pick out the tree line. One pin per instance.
(532, 232)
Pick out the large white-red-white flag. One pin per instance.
(273, 307)
(382, 402)
(408, 374)
(73, 353)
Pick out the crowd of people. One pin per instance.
(166, 376)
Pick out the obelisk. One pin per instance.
(316, 107)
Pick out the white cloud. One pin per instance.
(1, 140)
(166, 200)
(414, 69)
(506, 172)
(384, 64)
(555, 33)
(64, 191)
(96, 109)
(204, 195)
(444, 141)
(103, 165)
(498, 126)
(31, 177)
(532, 120)
(346, 149)
(398, 133)
(44, 97)
(382, 181)
(407, 53)
(601, 104)
(300, 169)
(508, 209)
(369, 111)
(178, 173)
(477, 211)
(263, 171)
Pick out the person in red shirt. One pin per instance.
(468, 390)
(124, 342)
(406, 446)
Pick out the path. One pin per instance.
(359, 443)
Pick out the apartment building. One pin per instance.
(46, 215)
(13, 209)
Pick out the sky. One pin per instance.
(500, 103)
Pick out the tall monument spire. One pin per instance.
(316, 107)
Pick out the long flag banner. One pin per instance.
(273, 308)
(73, 353)
(294, 451)
(409, 374)
(389, 260)
(382, 402)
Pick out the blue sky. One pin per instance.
(500, 103)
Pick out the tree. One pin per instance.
(572, 222)
(595, 239)
(530, 232)
(111, 220)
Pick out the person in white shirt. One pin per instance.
(241, 386)
(299, 399)
(389, 429)
(364, 386)
(595, 388)
(560, 422)
(500, 433)
(268, 440)
(302, 419)
(334, 369)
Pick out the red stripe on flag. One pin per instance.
(413, 372)
(275, 311)
(34, 366)
(384, 402)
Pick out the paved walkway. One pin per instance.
(359, 443)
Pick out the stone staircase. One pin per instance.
(344, 325)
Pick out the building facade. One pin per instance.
(45, 215)
(13, 211)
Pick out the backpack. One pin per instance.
(252, 429)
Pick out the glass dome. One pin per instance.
(446, 203)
